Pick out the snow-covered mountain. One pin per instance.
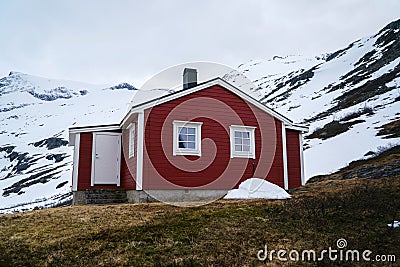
(35, 113)
(349, 98)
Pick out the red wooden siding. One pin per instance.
(85, 161)
(275, 175)
(85, 167)
(293, 158)
(127, 180)
(128, 165)
(217, 108)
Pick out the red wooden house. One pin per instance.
(193, 144)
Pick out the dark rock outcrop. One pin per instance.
(51, 143)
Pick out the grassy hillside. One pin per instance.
(383, 163)
(347, 204)
(224, 233)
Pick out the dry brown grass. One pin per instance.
(389, 157)
(329, 186)
(332, 129)
(390, 129)
(224, 233)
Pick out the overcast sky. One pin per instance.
(107, 42)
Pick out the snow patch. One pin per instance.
(257, 188)
(395, 224)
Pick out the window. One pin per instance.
(131, 129)
(187, 138)
(242, 141)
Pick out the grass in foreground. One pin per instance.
(225, 233)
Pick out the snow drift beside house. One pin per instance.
(257, 188)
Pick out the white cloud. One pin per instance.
(108, 42)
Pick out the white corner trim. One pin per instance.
(184, 151)
(76, 162)
(130, 125)
(301, 159)
(250, 129)
(285, 164)
(139, 150)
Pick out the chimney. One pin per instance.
(189, 78)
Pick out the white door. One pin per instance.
(106, 158)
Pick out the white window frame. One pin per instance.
(186, 151)
(131, 145)
(242, 154)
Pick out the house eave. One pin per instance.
(297, 127)
(72, 131)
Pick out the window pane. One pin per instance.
(246, 148)
(191, 145)
(182, 137)
(182, 144)
(238, 148)
(238, 141)
(246, 134)
(246, 142)
(191, 138)
(238, 134)
(191, 130)
(187, 145)
(182, 130)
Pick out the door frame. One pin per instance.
(92, 173)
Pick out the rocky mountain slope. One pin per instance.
(35, 113)
(349, 98)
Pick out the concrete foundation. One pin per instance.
(135, 196)
(78, 198)
(185, 195)
(168, 196)
(99, 196)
